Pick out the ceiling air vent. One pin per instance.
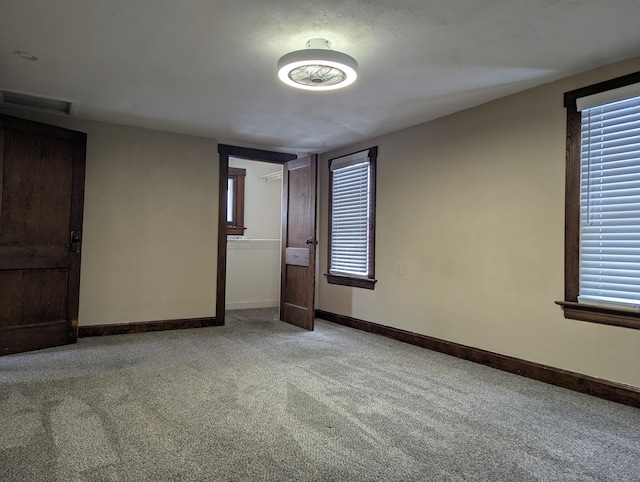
(33, 102)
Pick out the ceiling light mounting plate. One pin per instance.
(317, 68)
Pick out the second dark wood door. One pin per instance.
(41, 200)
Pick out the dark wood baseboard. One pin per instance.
(145, 326)
(597, 387)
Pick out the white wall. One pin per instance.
(261, 199)
(150, 223)
(253, 265)
(253, 274)
(473, 206)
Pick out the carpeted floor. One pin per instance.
(262, 400)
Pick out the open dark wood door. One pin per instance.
(41, 198)
(298, 242)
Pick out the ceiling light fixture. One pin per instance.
(317, 67)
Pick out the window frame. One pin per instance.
(236, 227)
(343, 279)
(572, 309)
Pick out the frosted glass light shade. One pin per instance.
(317, 69)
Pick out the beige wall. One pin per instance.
(150, 223)
(473, 206)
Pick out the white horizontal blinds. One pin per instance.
(610, 205)
(350, 215)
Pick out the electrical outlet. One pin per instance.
(399, 268)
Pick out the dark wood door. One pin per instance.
(41, 199)
(298, 242)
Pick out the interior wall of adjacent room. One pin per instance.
(150, 223)
(472, 206)
(262, 205)
(253, 264)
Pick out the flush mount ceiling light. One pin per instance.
(317, 67)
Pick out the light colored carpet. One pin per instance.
(262, 400)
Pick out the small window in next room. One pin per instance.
(352, 193)
(602, 231)
(235, 201)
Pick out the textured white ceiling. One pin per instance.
(208, 67)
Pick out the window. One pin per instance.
(602, 246)
(352, 181)
(235, 201)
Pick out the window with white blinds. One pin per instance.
(352, 215)
(350, 218)
(609, 259)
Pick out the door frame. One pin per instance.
(225, 151)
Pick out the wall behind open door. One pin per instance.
(257, 252)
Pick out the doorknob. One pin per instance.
(74, 241)
(311, 242)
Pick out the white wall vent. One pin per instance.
(22, 100)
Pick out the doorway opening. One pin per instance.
(254, 216)
(235, 155)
